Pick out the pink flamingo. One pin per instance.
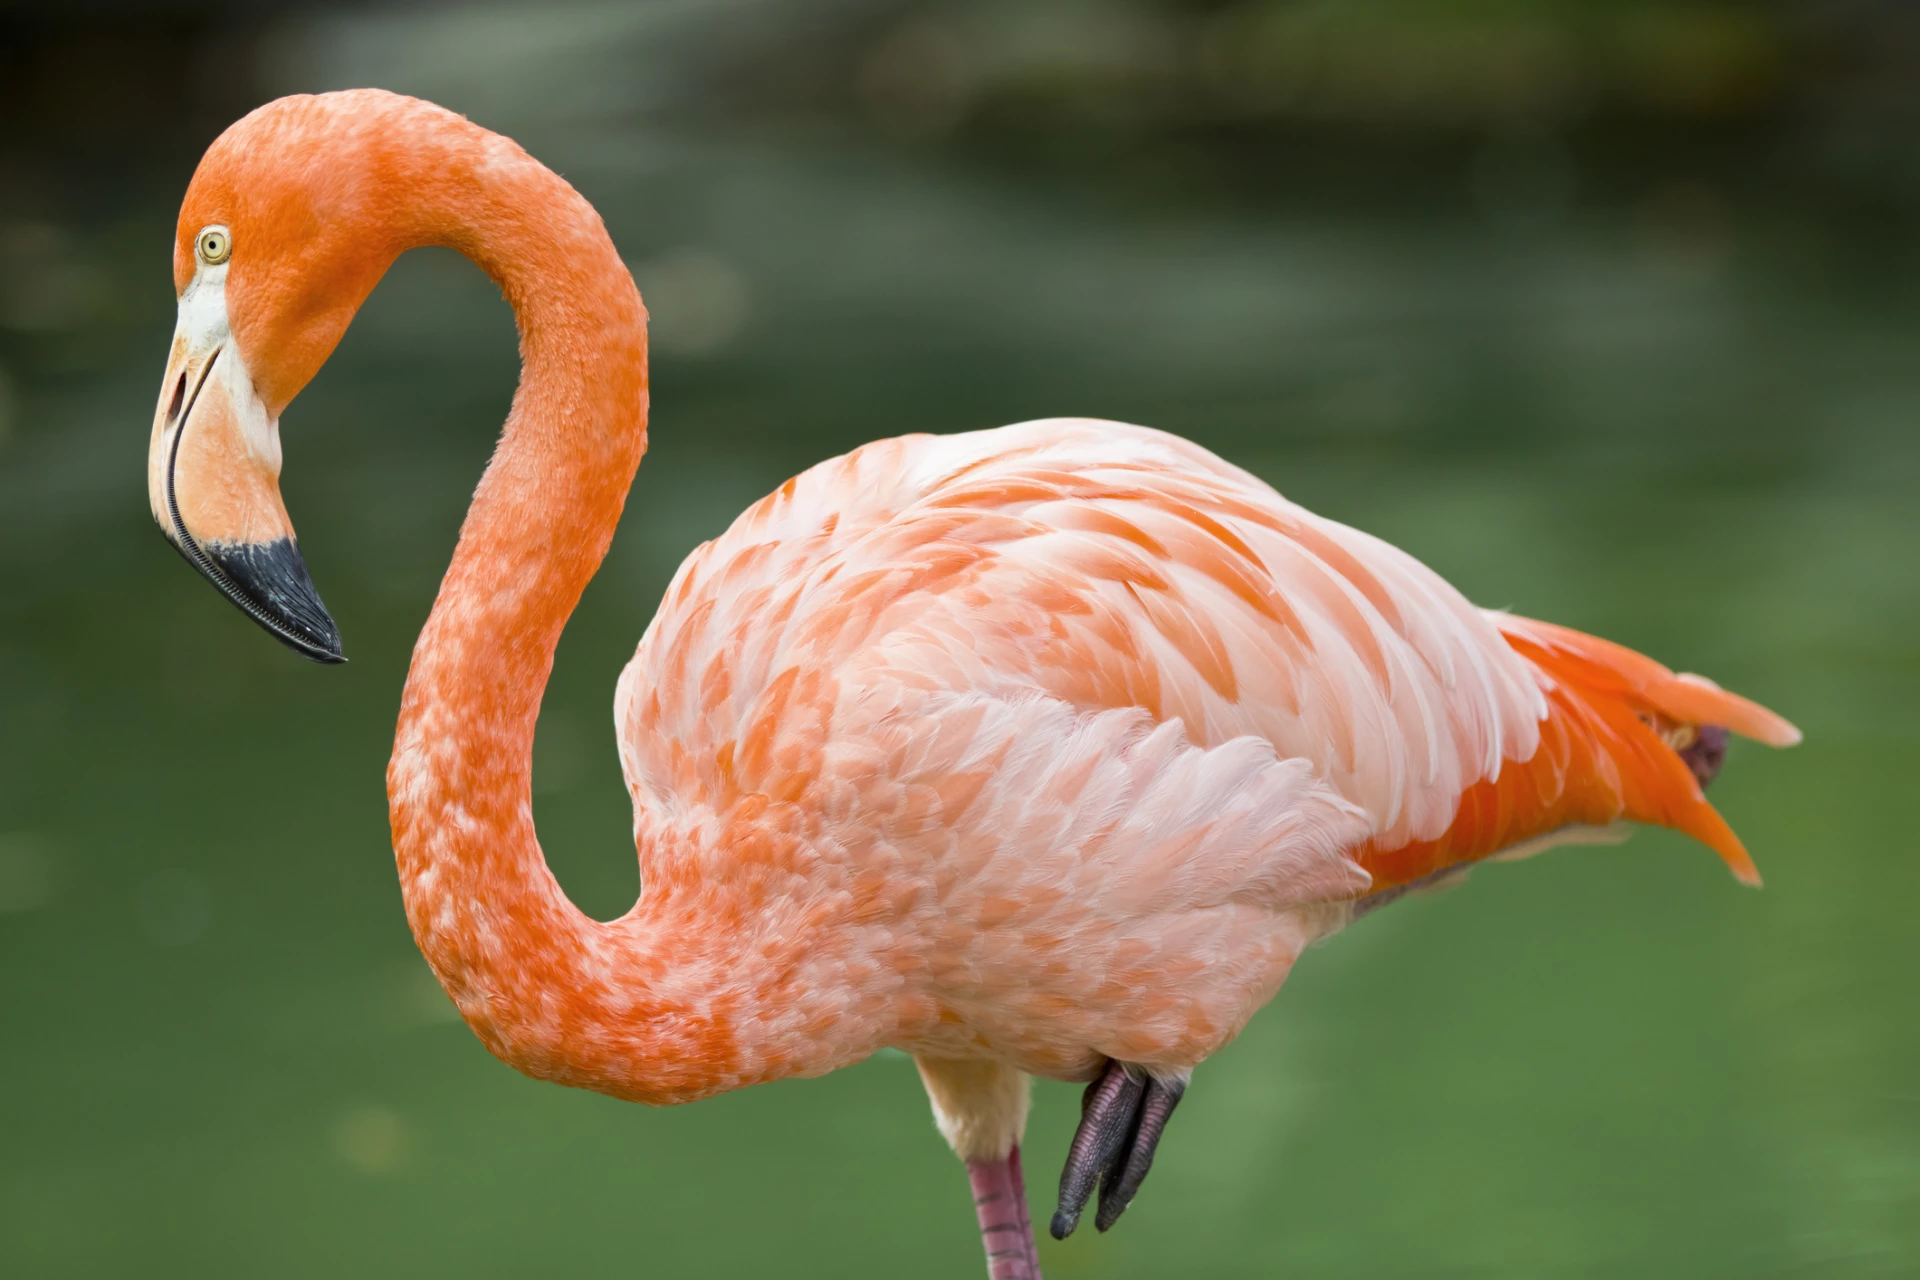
(1036, 751)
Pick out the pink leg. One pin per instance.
(1000, 1198)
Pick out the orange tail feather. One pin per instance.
(1601, 759)
(1623, 691)
(1599, 666)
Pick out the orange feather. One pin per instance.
(1601, 758)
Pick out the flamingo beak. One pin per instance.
(213, 478)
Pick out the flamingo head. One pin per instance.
(288, 224)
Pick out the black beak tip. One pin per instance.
(269, 583)
(324, 649)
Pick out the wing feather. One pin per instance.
(1110, 566)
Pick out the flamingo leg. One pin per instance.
(1006, 1230)
(1122, 1116)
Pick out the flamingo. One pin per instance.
(1037, 751)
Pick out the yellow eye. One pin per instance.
(213, 246)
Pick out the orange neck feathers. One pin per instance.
(549, 990)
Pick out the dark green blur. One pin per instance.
(1609, 312)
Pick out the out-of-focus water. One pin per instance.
(1695, 434)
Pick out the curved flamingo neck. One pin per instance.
(548, 989)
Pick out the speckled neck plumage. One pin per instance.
(548, 989)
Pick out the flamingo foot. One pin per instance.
(1122, 1116)
(1006, 1231)
(1706, 753)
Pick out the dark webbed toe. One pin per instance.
(1107, 1111)
(1122, 1116)
(1706, 753)
(1116, 1191)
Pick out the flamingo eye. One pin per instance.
(214, 246)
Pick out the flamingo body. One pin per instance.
(1036, 751)
(1068, 736)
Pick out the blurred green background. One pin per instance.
(1610, 311)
